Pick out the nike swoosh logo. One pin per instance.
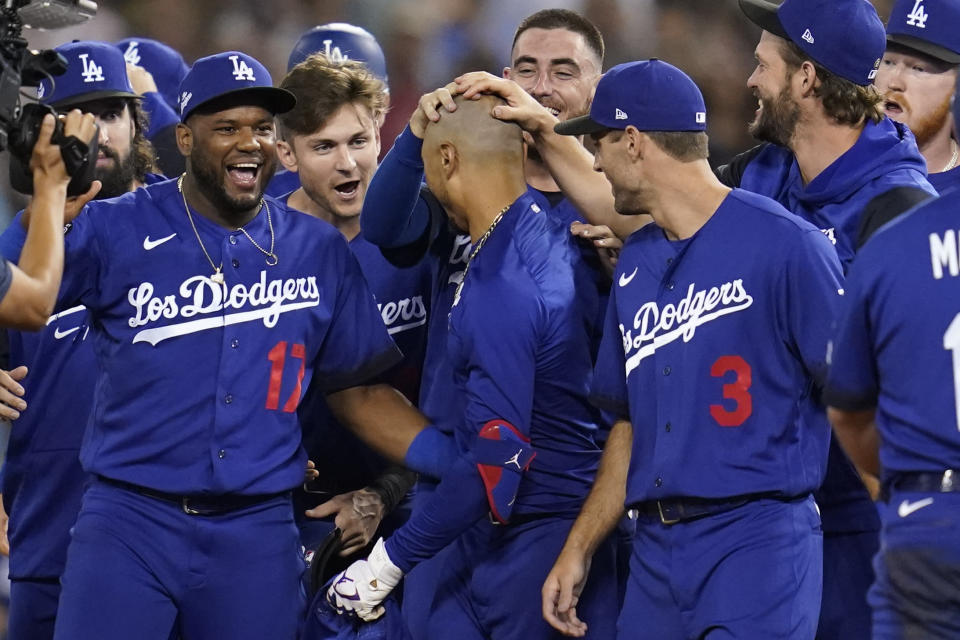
(625, 279)
(59, 335)
(149, 244)
(907, 507)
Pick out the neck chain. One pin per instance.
(217, 276)
(476, 250)
(953, 157)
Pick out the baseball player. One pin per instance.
(519, 353)
(331, 141)
(339, 42)
(28, 291)
(894, 402)
(213, 308)
(917, 78)
(156, 75)
(711, 362)
(43, 481)
(832, 158)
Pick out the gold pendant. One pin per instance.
(217, 277)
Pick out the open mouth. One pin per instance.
(244, 174)
(348, 189)
(892, 107)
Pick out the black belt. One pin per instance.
(680, 509)
(199, 505)
(926, 481)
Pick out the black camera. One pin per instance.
(20, 67)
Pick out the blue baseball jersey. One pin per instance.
(519, 351)
(885, 157)
(945, 180)
(43, 481)
(711, 350)
(283, 183)
(200, 382)
(403, 298)
(897, 345)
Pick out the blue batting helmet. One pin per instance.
(341, 41)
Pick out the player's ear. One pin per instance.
(636, 142)
(806, 78)
(184, 139)
(449, 160)
(287, 157)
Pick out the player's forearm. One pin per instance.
(571, 166)
(34, 290)
(857, 433)
(604, 506)
(380, 416)
(392, 214)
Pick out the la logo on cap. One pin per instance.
(334, 55)
(241, 70)
(92, 72)
(132, 54)
(918, 17)
(619, 115)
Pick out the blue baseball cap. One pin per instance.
(846, 37)
(164, 63)
(651, 95)
(95, 70)
(928, 26)
(229, 73)
(341, 41)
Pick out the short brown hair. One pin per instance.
(563, 19)
(323, 86)
(685, 146)
(845, 101)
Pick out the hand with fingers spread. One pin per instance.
(11, 393)
(561, 592)
(428, 109)
(358, 514)
(521, 107)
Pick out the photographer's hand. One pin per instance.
(33, 288)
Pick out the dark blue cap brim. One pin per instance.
(928, 48)
(763, 13)
(90, 97)
(580, 126)
(273, 99)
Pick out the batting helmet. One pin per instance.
(341, 41)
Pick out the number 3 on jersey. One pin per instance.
(737, 391)
(278, 358)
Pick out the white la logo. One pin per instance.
(184, 99)
(92, 72)
(917, 17)
(619, 115)
(132, 54)
(241, 71)
(41, 90)
(334, 55)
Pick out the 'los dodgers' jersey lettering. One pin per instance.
(943, 254)
(656, 326)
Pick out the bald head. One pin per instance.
(477, 136)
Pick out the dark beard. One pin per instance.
(117, 180)
(778, 120)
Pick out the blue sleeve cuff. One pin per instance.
(409, 149)
(431, 452)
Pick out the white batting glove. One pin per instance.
(365, 584)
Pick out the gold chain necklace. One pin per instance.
(476, 250)
(217, 276)
(953, 157)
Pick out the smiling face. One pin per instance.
(337, 161)
(557, 67)
(917, 91)
(777, 114)
(232, 155)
